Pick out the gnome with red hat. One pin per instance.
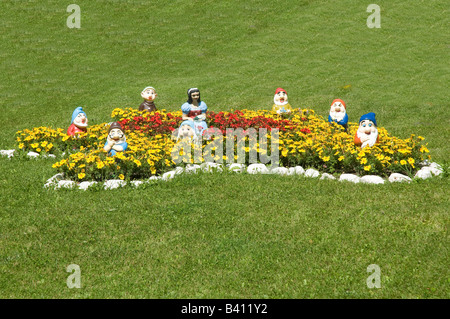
(338, 113)
(367, 133)
(280, 99)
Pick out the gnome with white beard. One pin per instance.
(116, 140)
(367, 133)
(338, 113)
(78, 123)
(187, 130)
(280, 99)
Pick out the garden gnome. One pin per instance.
(367, 133)
(187, 130)
(338, 113)
(195, 110)
(281, 102)
(79, 122)
(116, 140)
(149, 95)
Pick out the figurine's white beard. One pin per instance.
(338, 116)
(372, 138)
(280, 103)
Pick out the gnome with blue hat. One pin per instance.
(367, 133)
(78, 123)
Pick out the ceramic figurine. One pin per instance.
(367, 133)
(195, 110)
(187, 130)
(281, 102)
(338, 113)
(149, 95)
(79, 122)
(116, 140)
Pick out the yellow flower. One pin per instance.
(341, 158)
(81, 175)
(363, 161)
(367, 168)
(137, 162)
(21, 145)
(326, 158)
(121, 176)
(402, 162)
(423, 149)
(100, 165)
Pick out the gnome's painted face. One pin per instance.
(81, 120)
(149, 94)
(367, 127)
(117, 135)
(186, 131)
(280, 98)
(337, 107)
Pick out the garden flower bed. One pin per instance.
(305, 139)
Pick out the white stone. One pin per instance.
(192, 168)
(9, 153)
(436, 169)
(179, 170)
(424, 173)
(236, 167)
(154, 178)
(280, 171)
(311, 172)
(114, 183)
(137, 183)
(327, 176)
(291, 171)
(257, 169)
(211, 167)
(350, 178)
(397, 177)
(168, 175)
(56, 178)
(32, 154)
(299, 170)
(372, 179)
(49, 156)
(66, 184)
(85, 185)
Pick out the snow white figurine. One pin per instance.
(195, 110)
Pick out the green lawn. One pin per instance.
(222, 235)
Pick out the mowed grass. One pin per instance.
(224, 236)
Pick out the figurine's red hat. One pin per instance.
(280, 90)
(339, 100)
